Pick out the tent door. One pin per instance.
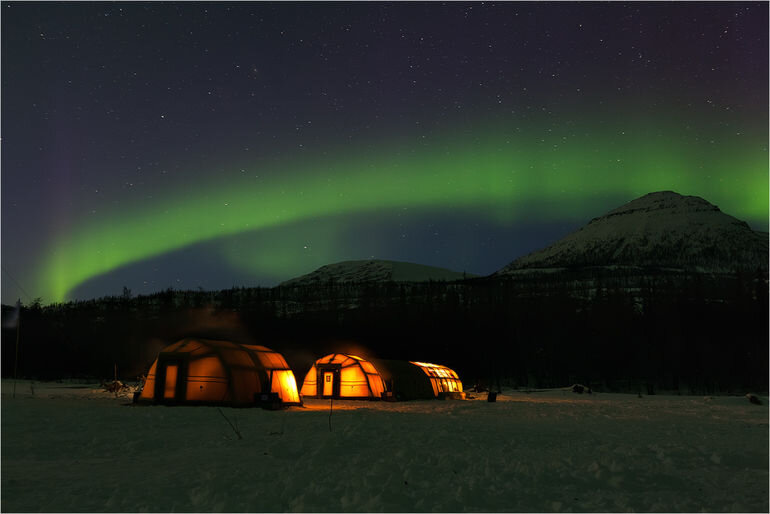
(328, 383)
(329, 380)
(171, 379)
(169, 388)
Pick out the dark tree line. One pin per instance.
(613, 330)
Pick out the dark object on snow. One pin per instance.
(754, 399)
(492, 397)
(451, 395)
(479, 387)
(114, 386)
(580, 389)
(268, 401)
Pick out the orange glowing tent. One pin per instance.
(419, 380)
(206, 371)
(340, 375)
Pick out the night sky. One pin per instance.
(198, 145)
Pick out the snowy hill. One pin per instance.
(375, 271)
(661, 230)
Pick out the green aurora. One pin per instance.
(502, 175)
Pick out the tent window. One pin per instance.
(443, 379)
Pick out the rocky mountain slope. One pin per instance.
(661, 230)
(375, 271)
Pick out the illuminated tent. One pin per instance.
(343, 375)
(205, 371)
(419, 380)
(443, 380)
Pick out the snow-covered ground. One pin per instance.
(70, 447)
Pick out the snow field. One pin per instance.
(67, 449)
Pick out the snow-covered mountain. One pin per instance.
(375, 271)
(661, 230)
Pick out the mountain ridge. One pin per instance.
(659, 229)
(375, 270)
(662, 230)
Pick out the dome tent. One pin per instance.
(414, 380)
(341, 375)
(207, 371)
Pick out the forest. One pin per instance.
(610, 329)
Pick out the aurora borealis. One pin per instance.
(213, 145)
